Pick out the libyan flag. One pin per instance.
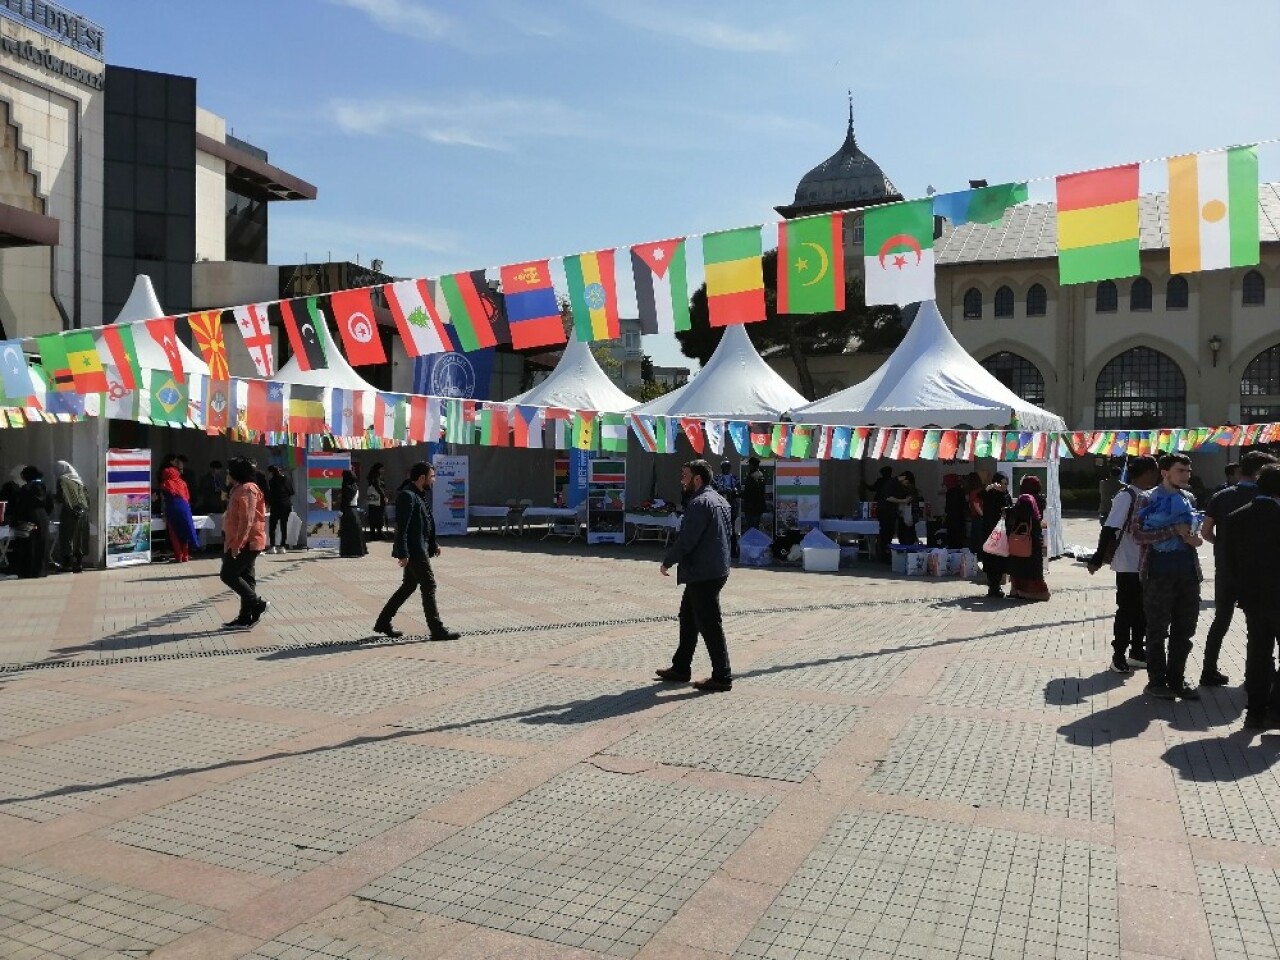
(898, 253)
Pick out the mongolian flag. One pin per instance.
(533, 313)
(353, 313)
(593, 293)
(162, 332)
(308, 334)
(692, 429)
(206, 330)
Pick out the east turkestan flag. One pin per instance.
(1213, 210)
(662, 288)
(898, 261)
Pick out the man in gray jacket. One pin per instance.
(701, 552)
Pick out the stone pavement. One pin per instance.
(903, 769)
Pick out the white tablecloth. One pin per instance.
(487, 512)
(212, 522)
(552, 514)
(647, 520)
(863, 527)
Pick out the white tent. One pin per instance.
(338, 373)
(929, 381)
(143, 305)
(577, 383)
(735, 384)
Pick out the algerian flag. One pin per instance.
(1213, 210)
(898, 261)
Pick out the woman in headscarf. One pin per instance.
(73, 519)
(30, 521)
(177, 510)
(955, 510)
(376, 500)
(350, 531)
(1026, 574)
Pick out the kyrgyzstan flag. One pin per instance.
(353, 313)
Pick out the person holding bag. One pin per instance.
(995, 500)
(73, 519)
(1024, 522)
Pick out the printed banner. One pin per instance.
(128, 507)
(451, 498)
(796, 497)
(607, 501)
(324, 488)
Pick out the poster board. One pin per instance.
(560, 489)
(797, 501)
(579, 476)
(450, 498)
(128, 507)
(324, 487)
(607, 501)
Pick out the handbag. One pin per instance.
(1020, 544)
(997, 543)
(1108, 546)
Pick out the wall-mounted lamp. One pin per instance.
(1215, 344)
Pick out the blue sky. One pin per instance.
(454, 135)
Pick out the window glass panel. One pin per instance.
(1140, 294)
(1255, 289)
(1037, 301)
(1018, 374)
(1141, 388)
(1004, 302)
(1177, 294)
(1108, 298)
(972, 303)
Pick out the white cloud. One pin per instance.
(404, 17)
(403, 248)
(675, 22)
(490, 123)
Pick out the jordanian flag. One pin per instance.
(898, 261)
(662, 289)
(811, 265)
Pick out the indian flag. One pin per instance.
(1213, 210)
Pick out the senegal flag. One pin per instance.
(811, 265)
(735, 279)
(898, 253)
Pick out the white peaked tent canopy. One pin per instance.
(337, 374)
(929, 381)
(735, 384)
(577, 383)
(143, 305)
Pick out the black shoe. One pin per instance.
(995, 593)
(712, 685)
(1184, 691)
(1256, 720)
(671, 675)
(1214, 678)
(387, 630)
(239, 623)
(258, 611)
(1137, 657)
(1120, 665)
(1160, 691)
(443, 636)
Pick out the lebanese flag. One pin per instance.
(163, 333)
(256, 333)
(416, 315)
(353, 313)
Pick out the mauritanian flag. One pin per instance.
(735, 278)
(811, 265)
(662, 288)
(1213, 210)
(593, 293)
(1098, 225)
(898, 253)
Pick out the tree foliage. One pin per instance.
(857, 328)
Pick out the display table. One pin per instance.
(562, 521)
(870, 529)
(483, 515)
(646, 526)
(211, 523)
(6, 539)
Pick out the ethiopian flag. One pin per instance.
(1098, 225)
(735, 279)
(1213, 210)
(898, 253)
(593, 293)
(811, 265)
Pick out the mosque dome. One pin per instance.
(848, 178)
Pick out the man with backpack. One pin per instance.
(1117, 547)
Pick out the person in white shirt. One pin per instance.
(1116, 543)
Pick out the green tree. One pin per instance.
(856, 328)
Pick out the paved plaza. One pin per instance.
(903, 769)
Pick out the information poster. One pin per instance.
(797, 504)
(128, 506)
(579, 476)
(324, 491)
(560, 493)
(606, 501)
(450, 497)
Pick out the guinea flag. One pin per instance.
(898, 260)
(735, 279)
(811, 265)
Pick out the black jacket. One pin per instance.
(754, 498)
(280, 492)
(415, 525)
(701, 551)
(1251, 551)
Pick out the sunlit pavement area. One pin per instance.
(903, 769)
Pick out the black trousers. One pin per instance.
(377, 519)
(1130, 630)
(1260, 679)
(279, 519)
(238, 574)
(700, 614)
(1224, 607)
(1172, 606)
(417, 576)
(888, 527)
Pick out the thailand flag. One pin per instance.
(128, 472)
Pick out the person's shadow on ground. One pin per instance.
(1225, 759)
(1132, 717)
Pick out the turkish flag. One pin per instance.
(163, 333)
(353, 313)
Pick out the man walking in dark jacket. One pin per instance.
(1251, 552)
(701, 552)
(414, 547)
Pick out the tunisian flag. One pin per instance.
(353, 313)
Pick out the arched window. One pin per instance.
(1037, 301)
(1107, 297)
(1177, 295)
(1260, 388)
(972, 303)
(1004, 302)
(1140, 388)
(1018, 374)
(1140, 294)
(1254, 292)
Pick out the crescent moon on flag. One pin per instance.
(900, 238)
(823, 258)
(302, 330)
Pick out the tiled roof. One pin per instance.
(1030, 230)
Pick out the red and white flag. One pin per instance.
(163, 333)
(353, 313)
(256, 332)
(416, 315)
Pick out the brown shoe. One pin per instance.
(712, 685)
(670, 675)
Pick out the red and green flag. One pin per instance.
(463, 299)
(811, 265)
(1098, 225)
(735, 278)
(761, 440)
(593, 294)
(898, 253)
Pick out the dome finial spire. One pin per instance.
(849, 136)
